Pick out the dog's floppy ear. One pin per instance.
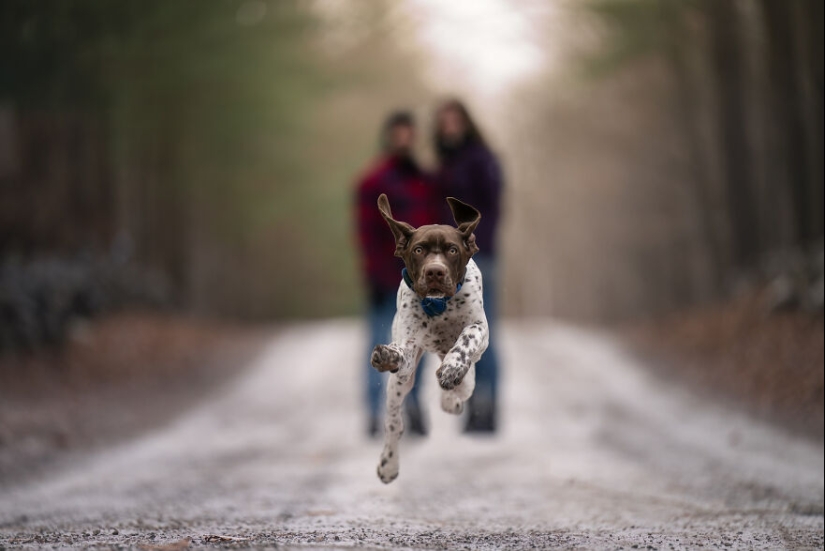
(466, 219)
(400, 230)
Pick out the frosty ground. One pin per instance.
(593, 453)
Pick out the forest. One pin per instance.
(172, 153)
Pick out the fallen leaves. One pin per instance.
(217, 538)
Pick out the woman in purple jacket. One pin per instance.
(469, 171)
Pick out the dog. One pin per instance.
(439, 308)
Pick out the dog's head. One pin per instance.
(436, 256)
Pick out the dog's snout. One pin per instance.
(435, 273)
(435, 278)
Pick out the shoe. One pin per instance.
(415, 421)
(481, 417)
(373, 427)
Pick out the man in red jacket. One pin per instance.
(413, 198)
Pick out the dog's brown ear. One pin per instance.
(400, 230)
(466, 219)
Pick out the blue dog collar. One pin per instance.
(432, 306)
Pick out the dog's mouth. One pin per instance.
(434, 285)
(435, 291)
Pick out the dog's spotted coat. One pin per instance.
(459, 336)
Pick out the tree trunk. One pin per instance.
(788, 107)
(726, 49)
(687, 116)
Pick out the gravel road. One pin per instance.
(593, 454)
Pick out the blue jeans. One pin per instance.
(487, 367)
(380, 315)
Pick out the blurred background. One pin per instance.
(663, 164)
(658, 154)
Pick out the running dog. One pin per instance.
(439, 309)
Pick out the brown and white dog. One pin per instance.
(439, 309)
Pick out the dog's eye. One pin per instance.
(418, 250)
(453, 250)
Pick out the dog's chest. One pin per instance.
(440, 333)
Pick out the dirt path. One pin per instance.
(594, 454)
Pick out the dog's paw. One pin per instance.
(384, 358)
(451, 403)
(388, 468)
(451, 373)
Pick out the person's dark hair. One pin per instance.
(393, 120)
(473, 133)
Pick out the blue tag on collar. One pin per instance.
(432, 306)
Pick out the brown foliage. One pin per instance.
(772, 364)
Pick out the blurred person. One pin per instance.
(396, 173)
(470, 172)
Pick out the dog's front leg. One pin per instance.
(457, 365)
(398, 386)
(388, 357)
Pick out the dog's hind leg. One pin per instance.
(398, 386)
(452, 401)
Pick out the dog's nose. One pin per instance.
(435, 272)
